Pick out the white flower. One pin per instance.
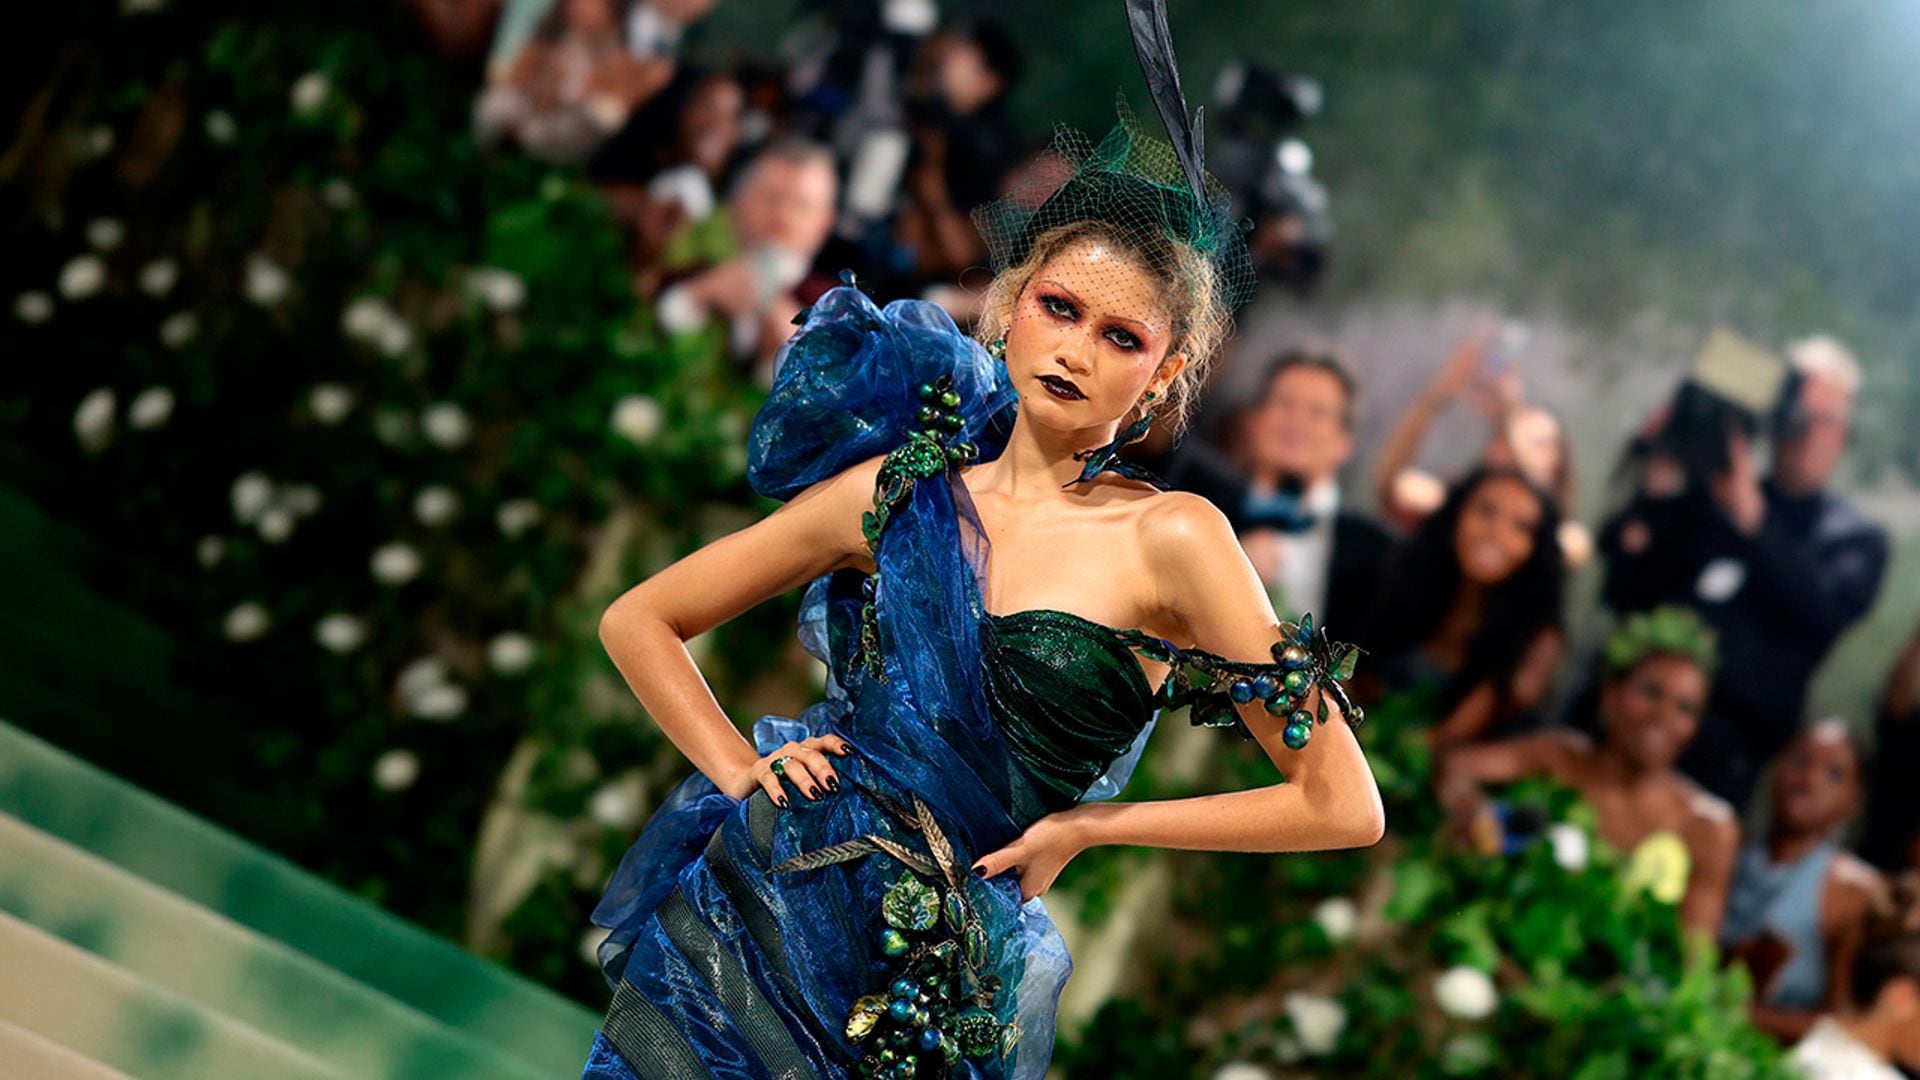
(209, 551)
(590, 943)
(420, 676)
(246, 622)
(158, 276)
(310, 91)
(1317, 1021)
(615, 807)
(337, 194)
(151, 409)
(1465, 993)
(638, 418)
(98, 141)
(362, 319)
(340, 632)
(141, 7)
(220, 127)
(105, 233)
(516, 516)
(396, 770)
(93, 420)
(1241, 1070)
(301, 499)
(446, 424)
(428, 694)
(395, 563)
(82, 277)
(392, 426)
(275, 524)
(251, 494)
(33, 307)
(267, 281)
(330, 402)
(1570, 847)
(395, 337)
(1337, 916)
(500, 290)
(443, 702)
(179, 328)
(510, 653)
(435, 505)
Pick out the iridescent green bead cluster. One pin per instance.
(928, 1019)
(1213, 687)
(936, 1008)
(926, 453)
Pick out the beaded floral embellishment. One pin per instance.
(937, 1007)
(926, 453)
(1212, 685)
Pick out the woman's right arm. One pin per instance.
(646, 629)
(1460, 774)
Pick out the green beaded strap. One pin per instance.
(927, 453)
(1214, 686)
(937, 1007)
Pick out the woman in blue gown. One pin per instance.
(1003, 607)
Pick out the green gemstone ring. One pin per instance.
(779, 765)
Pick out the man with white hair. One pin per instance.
(1780, 567)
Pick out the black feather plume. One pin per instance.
(1153, 44)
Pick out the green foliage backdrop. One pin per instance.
(368, 423)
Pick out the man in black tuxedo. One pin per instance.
(1283, 493)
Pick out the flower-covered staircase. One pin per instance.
(138, 940)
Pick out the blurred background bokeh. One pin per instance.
(357, 355)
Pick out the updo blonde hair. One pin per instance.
(1200, 317)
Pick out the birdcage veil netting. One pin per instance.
(1134, 184)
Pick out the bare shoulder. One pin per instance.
(1709, 816)
(1180, 525)
(1863, 884)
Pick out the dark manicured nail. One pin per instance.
(833, 783)
(979, 871)
(780, 801)
(813, 792)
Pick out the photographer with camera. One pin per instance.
(1779, 567)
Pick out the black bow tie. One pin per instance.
(1280, 510)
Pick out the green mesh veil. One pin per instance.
(1155, 192)
(1137, 184)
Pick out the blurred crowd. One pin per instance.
(742, 189)
(1726, 586)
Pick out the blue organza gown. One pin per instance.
(847, 936)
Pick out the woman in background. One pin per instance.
(1658, 670)
(1471, 607)
(1800, 904)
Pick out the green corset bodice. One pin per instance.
(1066, 693)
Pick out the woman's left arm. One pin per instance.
(1328, 798)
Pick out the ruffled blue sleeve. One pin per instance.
(846, 388)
